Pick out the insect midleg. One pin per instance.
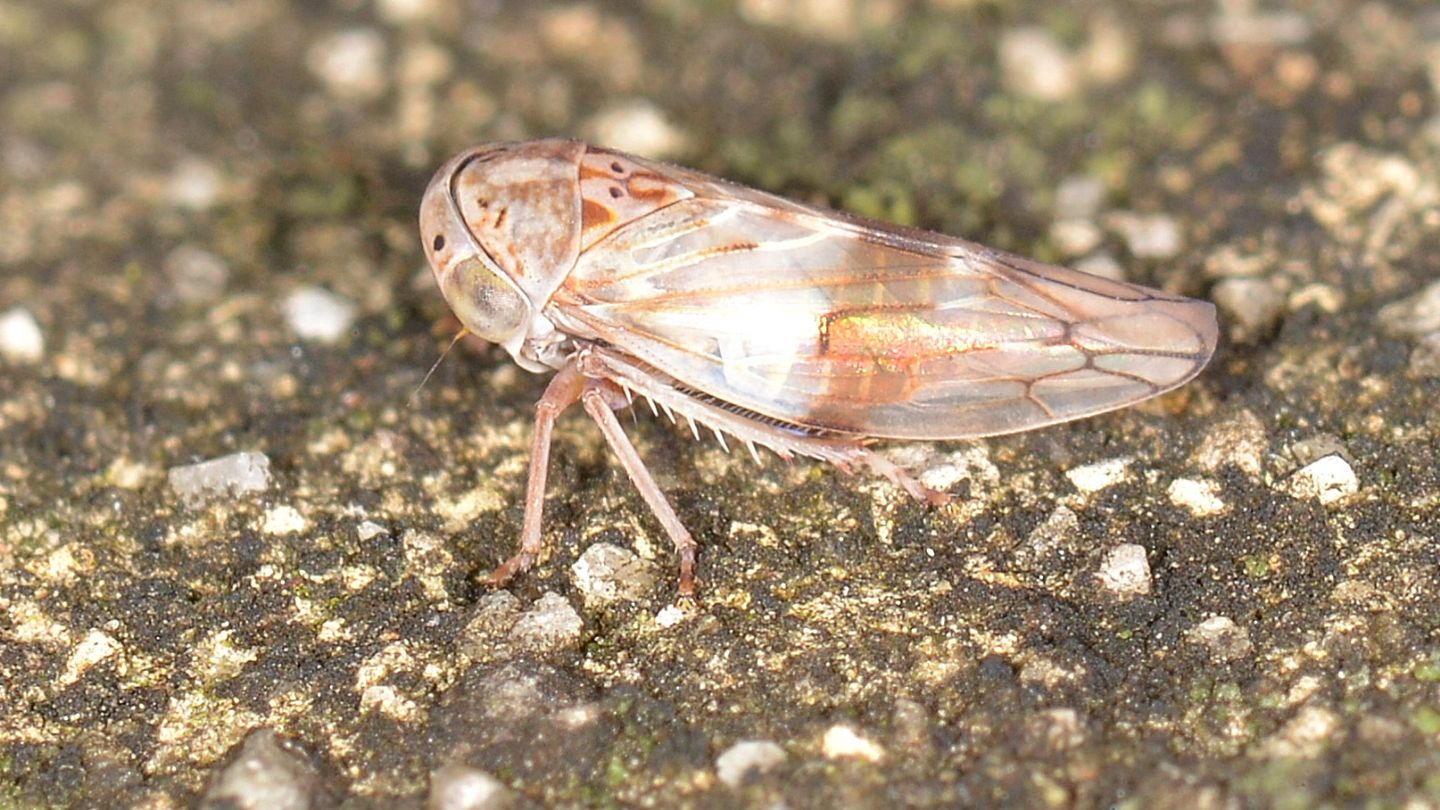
(594, 400)
(562, 392)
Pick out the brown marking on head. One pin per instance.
(594, 215)
(649, 187)
(590, 171)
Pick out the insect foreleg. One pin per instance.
(562, 392)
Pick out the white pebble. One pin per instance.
(1425, 359)
(1200, 497)
(608, 573)
(1252, 307)
(637, 126)
(1126, 571)
(1034, 63)
(370, 529)
(669, 616)
(1154, 236)
(1224, 639)
(21, 341)
(399, 12)
(1329, 480)
(281, 520)
(1059, 527)
(1075, 236)
(844, 742)
(94, 648)
(351, 63)
(233, 475)
(550, 623)
(318, 314)
(195, 184)
(195, 274)
(267, 772)
(1241, 24)
(1092, 478)
(460, 787)
(746, 757)
(1412, 316)
(1102, 264)
(1079, 196)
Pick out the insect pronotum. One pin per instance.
(785, 326)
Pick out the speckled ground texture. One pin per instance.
(1223, 598)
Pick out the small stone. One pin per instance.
(1079, 196)
(1075, 236)
(1092, 478)
(282, 520)
(1313, 448)
(1056, 729)
(669, 616)
(1425, 359)
(637, 126)
(943, 470)
(1033, 63)
(318, 314)
(737, 762)
(1243, 24)
(551, 623)
(1152, 236)
(1222, 637)
(1060, 528)
(608, 573)
(460, 787)
(351, 63)
(21, 341)
(1201, 498)
(233, 475)
(195, 184)
(844, 742)
(1252, 307)
(195, 275)
(94, 648)
(1126, 571)
(839, 21)
(400, 12)
(490, 623)
(369, 530)
(1413, 316)
(1311, 731)
(269, 773)
(1330, 480)
(1239, 441)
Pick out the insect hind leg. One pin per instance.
(599, 399)
(901, 478)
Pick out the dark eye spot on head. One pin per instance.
(439, 242)
(616, 192)
(617, 168)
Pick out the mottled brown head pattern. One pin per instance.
(500, 224)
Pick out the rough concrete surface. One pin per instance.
(208, 256)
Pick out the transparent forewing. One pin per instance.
(832, 323)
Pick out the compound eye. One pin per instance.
(486, 302)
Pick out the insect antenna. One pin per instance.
(411, 402)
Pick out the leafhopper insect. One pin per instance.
(783, 326)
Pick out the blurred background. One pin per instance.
(208, 248)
